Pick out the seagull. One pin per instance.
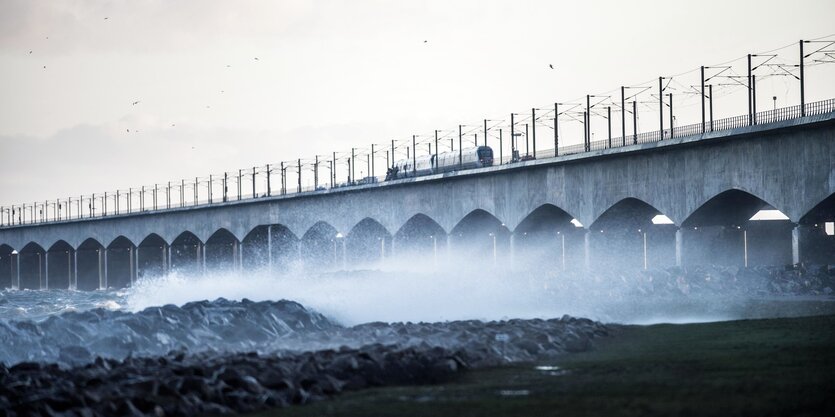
(228, 66)
(128, 130)
(30, 52)
(425, 41)
(551, 65)
(256, 58)
(106, 18)
(135, 103)
(172, 125)
(44, 67)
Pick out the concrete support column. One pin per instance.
(136, 265)
(45, 284)
(168, 258)
(240, 262)
(270, 249)
(17, 272)
(796, 239)
(101, 273)
(203, 258)
(587, 249)
(299, 253)
(40, 272)
(679, 247)
(131, 266)
(74, 282)
(344, 255)
(103, 282)
(69, 270)
(448, 246)
(164, 260)
(512, 251)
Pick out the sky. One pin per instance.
(103, 95)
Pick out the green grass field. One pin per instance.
(737, 368)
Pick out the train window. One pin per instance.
(485, 153)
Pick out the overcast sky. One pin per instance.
(100, 95)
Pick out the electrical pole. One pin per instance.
(623, 115)
(460, 146)
(661, 107)
(533, 126)
(556, 129)
(802, 84)
(703, 98)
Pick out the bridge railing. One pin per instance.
(124, 202)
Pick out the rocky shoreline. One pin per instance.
(185, 382)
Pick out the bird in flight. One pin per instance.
(135, 103)
(551, 65)
(30, 52)
(425, 41)
(256, 58)
(106, 18)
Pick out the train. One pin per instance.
(477, 157)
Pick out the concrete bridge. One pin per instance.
(679, 201)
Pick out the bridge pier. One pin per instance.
(17, 272)
(103, 278)
(512, 251)
(45, 284)
(270, 249)
(797, 236)
(679, 247)
(74, 282)
(586, 249)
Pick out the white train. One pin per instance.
(481, 156)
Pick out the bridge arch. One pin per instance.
(32, 258)
(482, 237)
(548, 237)
(7, 265)
(815, 233)
(419, 235)
(721, 231)
(222, 250)
(151, 256)
(58, 265)
(274, 242)
(322, 246)
(186, 251)
(120, 263)
(91, 264)
(630, 234)
(368, 242)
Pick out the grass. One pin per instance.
(737, 368)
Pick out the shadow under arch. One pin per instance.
(150, 256)
(32, 259)
(58, 268)
(546, 239)
(222, 250)
(90, 265)
(816, 233)
(7, 265)
(120, 263)
(721, 232)
(482, 238)
(322, 246)
(367, 242)
(624, 236)
(186, 251)
(420, 235)
(265, 243)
